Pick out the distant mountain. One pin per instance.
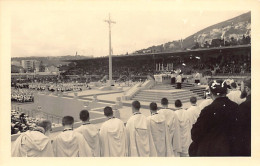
(233, 29)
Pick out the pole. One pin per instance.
(109, 21)
(110, 56)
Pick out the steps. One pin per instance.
(160, 91)
(170, 87)
(151, 96)
(199, 91)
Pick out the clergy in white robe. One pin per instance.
(194, 110)
(205, 103)
(173, 126)
(34, 143)
(160, 133)
(185, 128)
(139, 138)
(70, 143)
(234, 94)
(90, 133)
(112, 136)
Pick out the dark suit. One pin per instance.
(212, 134)
(243, 142)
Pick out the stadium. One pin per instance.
(180, 70)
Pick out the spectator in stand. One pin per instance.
(34, 143)
(113, 136)
(70, 143)
(185, 127)
(90, 133)
(173, 126)
(140, 142)
(160, 134)
(234, 94)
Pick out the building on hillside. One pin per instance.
(29, 65)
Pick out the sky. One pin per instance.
(64, 29)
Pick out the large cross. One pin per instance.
(109, 21)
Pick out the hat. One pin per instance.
(218, 87)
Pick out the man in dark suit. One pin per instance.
(243, 146)
(212, 133)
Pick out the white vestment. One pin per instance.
(204, 104)
(178, 79)
(185, 129)
(160, 135)
(113, 138)
(193, 113)
(91, 135)
(139, 138)
(197, 76)
(32, 144)
(174, 129)
(71, 144)
(234, 95)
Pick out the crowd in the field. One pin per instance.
(62, 87)
(218, 126)
(22, 95)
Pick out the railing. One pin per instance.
(148, 84)
(132, 91)
(136, 88)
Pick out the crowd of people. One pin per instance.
(218, 126)
(65, 87)
(61, 87)
(22, 95)
(21, 122)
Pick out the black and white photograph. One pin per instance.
(128, 79)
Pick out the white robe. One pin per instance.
(178, 79)
(193, 113)
(113, 138)
(204, 104)
(32, 144)
(71, 144)
(91, 135)
(234, 95)
(139, 138)
(160, 134)
(174, 129)
(185, 129)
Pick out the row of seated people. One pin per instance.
(20, 122)
(62, 87)
(22, 95)
(165, 133)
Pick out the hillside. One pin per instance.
(229, 30)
